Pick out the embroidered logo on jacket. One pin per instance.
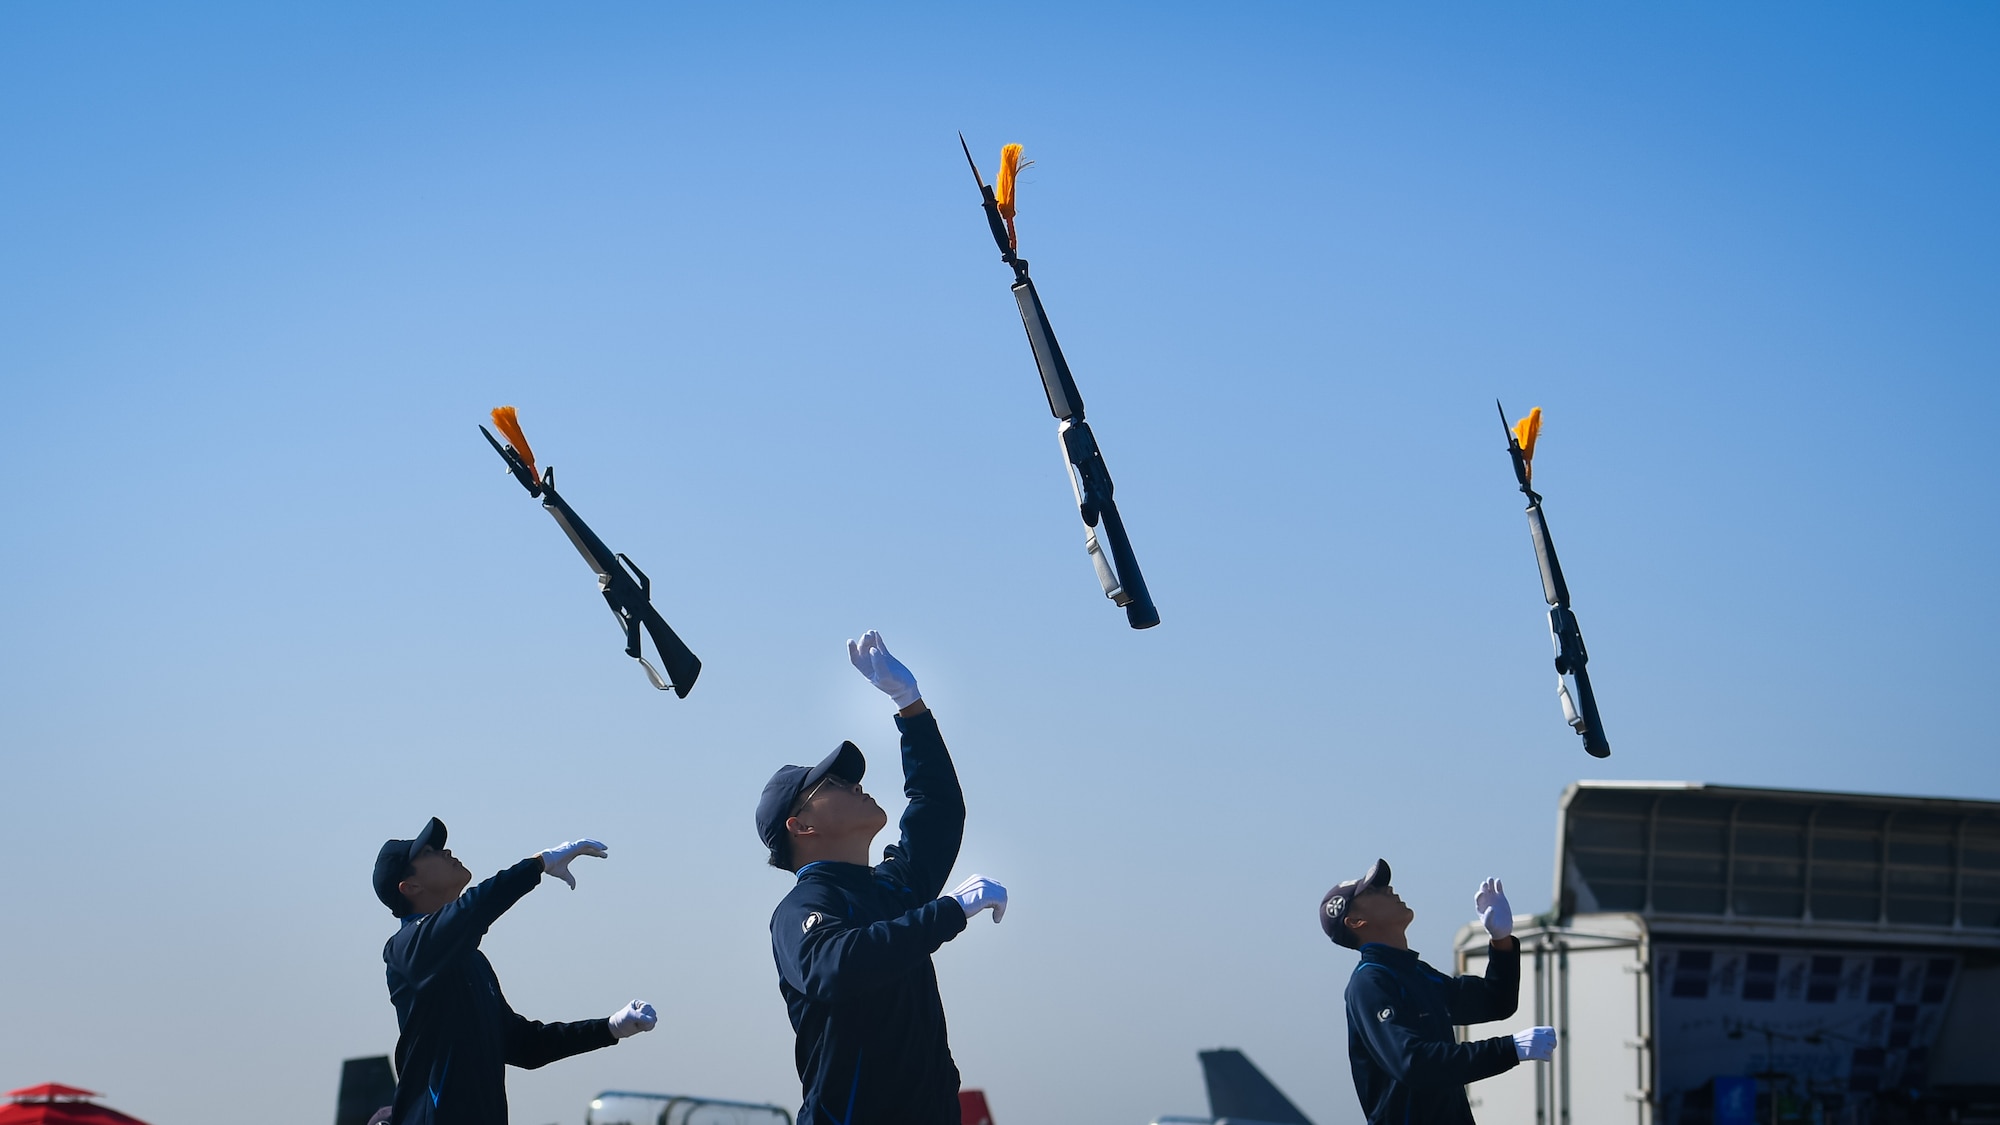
(814, 919)
(1386, 1014)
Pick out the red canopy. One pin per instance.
(55, 1104)
(971, 1108)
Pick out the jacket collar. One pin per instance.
(834, 869)
(1389, 955)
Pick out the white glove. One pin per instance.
(977, 894)
(871, 658)
(1537, 1044)
(632, 1019)
(1494, 913)
(555, 861)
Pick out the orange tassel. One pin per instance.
(509, 424)
(1003, 188)
(1525, 432)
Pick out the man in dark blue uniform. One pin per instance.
(853, 943)
(458, 1034)
(1409, 1069)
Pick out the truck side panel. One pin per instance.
(1595, 991)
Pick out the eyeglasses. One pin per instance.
(837, 783)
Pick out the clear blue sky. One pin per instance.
(269, 600)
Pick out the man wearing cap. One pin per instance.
(458, 1034)
(853, 943)
(1408, 1067)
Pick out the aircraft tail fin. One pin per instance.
(366, 1085)
(1239, 1092)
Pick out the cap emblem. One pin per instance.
(1335, 905)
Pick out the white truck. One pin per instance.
(1732, 956)
(630, 1107)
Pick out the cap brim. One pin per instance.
(845, 763)
(431, 837)
(1377, 877)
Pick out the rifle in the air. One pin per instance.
(625, 587)
(1117, 571)
(1579, 703)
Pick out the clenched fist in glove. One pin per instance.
(632, 1019)
(1494, 913)
(555, 861)
(871, 658)
(979, 893)
(1537, 1044)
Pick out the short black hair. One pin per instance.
(781, 855)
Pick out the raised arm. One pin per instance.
(434, 941)
(1495, 995)
(933, 824)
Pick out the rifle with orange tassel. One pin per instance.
(1089, 477)
(1579, 703)
(628, 594)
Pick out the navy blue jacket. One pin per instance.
(1408, 1067)
(458, 1034)
(853, 946)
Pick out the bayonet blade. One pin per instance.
(978, 177)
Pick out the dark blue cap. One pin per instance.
(790, 783)
(392, 864)
(1334, 906)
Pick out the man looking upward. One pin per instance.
(853, 943)
(458, 1034)
(1408, 1067)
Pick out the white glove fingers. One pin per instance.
(980, 893)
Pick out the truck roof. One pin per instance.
(1729, 857)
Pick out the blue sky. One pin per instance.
(269, 599)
